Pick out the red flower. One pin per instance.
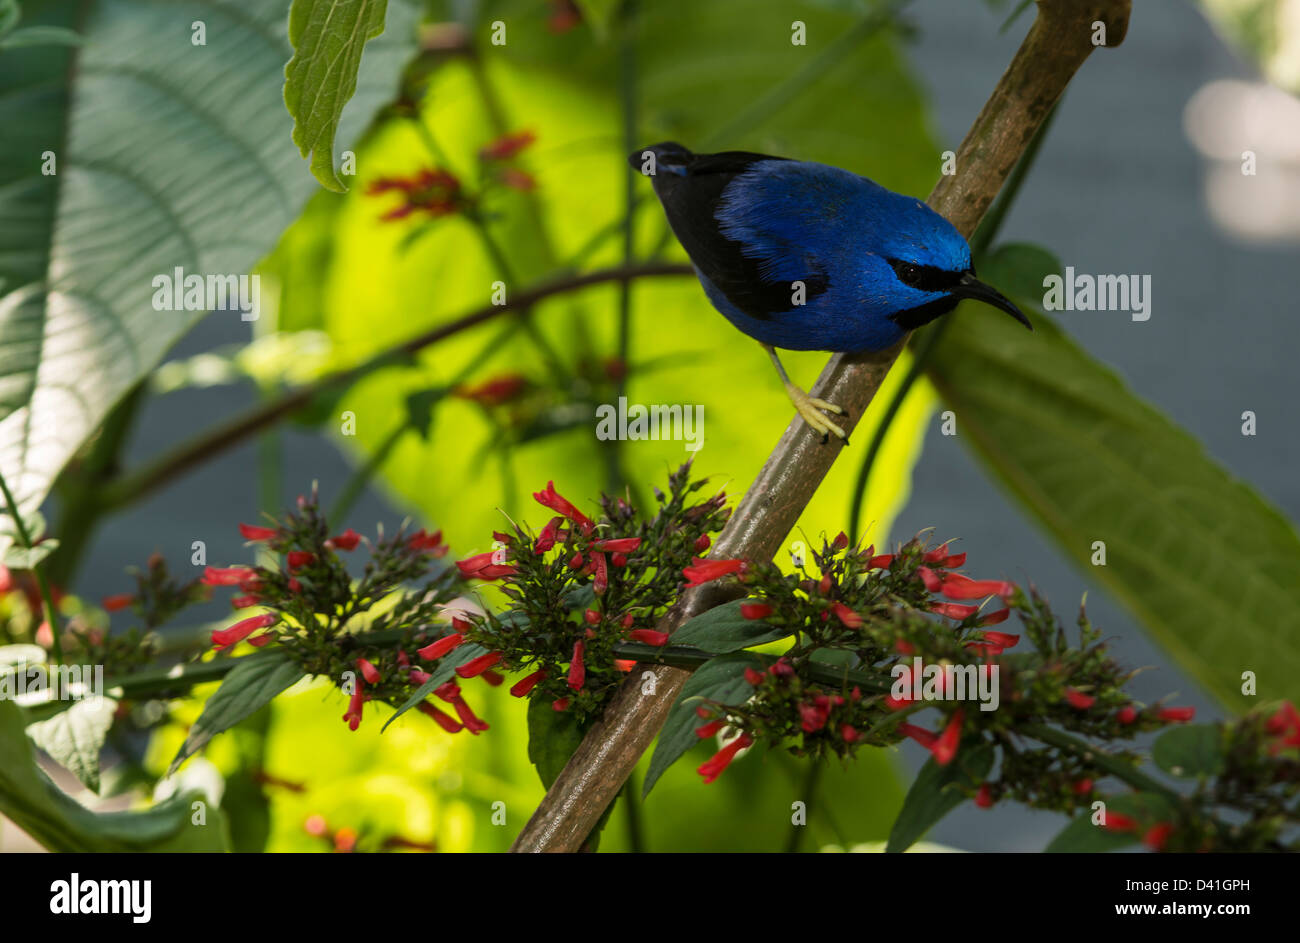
(517, 179)
(994, 618)
(702, 543)
(599, 582)
(117, 603)
(523, 687)
(428, 543)
(956, 586)
(919, 734)
(507, 146)
(355, 703)
(252, 532)
(369, 671)
(443, 720)
(945, 748)
(933, 582)
(450, 692)
(300, 558)
(814, 717)
(560, 704)
(243, 602)
(705, 571)
(1083, 787)
(1002, 639)
(442, 646)
(849, 733)
(755, 610)
(709, 729)
(1117, 822)
(347, 540)
(1284, 724)
(754, 677)
(1078, 700)
(557, 502)
(847, 616)
(712, 769)
(1157, 835)
(479, 665)
(984, 796)
(433, 191)
(880, 562)
(565, 15)
(495, 391)
(549, 535)
(417, 677)
(481, 567)
(1177, 715)
(953, 610)
(1126, 714)
(227, 576)
(617, 544)
(224, 638)
(577, 671)
(649, 637)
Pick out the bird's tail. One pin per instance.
(669, 156)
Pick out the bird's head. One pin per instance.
(921, 268)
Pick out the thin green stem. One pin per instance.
(806, 797)
(1120, 769)
(632, 812)
(51, 615)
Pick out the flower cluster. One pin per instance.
(583, 584)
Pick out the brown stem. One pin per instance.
(1057, 45)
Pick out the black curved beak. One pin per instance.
(971, 287)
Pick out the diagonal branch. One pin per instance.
(1057, 45)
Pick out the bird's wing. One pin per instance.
(691, 188)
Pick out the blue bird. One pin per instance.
(804, 256)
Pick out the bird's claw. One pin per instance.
(808, 407)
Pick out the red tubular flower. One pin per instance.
(300, 558)
(436, 649)
(444, 721)
(840, 542)
(755, 610)
(252, 532)
(507, 146)
(1126, 714)
(919, 734)
(262, 640)
(617, 545)
(995, 618)
(1002, 639)
(953, 610)
(224, 638)
(1082, 787)
(1284, 726)
(418, 677)
(526, 685)
(649, 637)
(294, 586)
(814, 717)
(577, 671)
(880, 562)
(482, 567)
(702, 543)
(495, 391)
(347, 540)
(478, 665)
(945, 748)
(1078, 700)
(937, 555)
(591, 617)
(896, 703)
(1157, 835)
(1117, 822)
(243, 602)
(709, 729)
(560, 704)
(847, 616)
(705, 571)
(227, 576)
(849, 733)
(1177, 715)
(599, 582)
(355, 703)
(905, 647)
(782, 668)
(984, 796)
(557, 502)
(549, 536)
(117, 603)
(933, 582)
(712, 769)
(369, 671)
(956, 586)
(755, 678)
(428, 543)
(955, 560)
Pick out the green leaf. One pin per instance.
(720, 679)
(250, 686)
(936, 792)
(1190, 751)
(1081, 836)
(1205, 564)
(41, 36)
(40, 808)
(552, 737)
(74, 737)
(90, 215)
(723, 629)
(328, 37)
(10, 14)
(26, 558)
(447, 666)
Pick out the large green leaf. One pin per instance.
(936, 791)
(74, 737)
(552, 737)
(165, 155)
(328, 37)
(723, 629)
(43, 811)
(1206, 564)
(251, 685)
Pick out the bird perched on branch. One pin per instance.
(803, 256)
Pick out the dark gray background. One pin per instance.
(1117, 188)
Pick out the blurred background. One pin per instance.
(1140, 173)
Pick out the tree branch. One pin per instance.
(1058, 43)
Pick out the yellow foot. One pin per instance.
(808, 406)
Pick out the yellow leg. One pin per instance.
(808, 406)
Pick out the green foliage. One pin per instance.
(82, 240)
(1205, 563)
(40, 808)
(328, 37)
(552, 737)
(1082, 836)
(1191, 751)
(723, 629)
(74, 737)
(936, 791)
